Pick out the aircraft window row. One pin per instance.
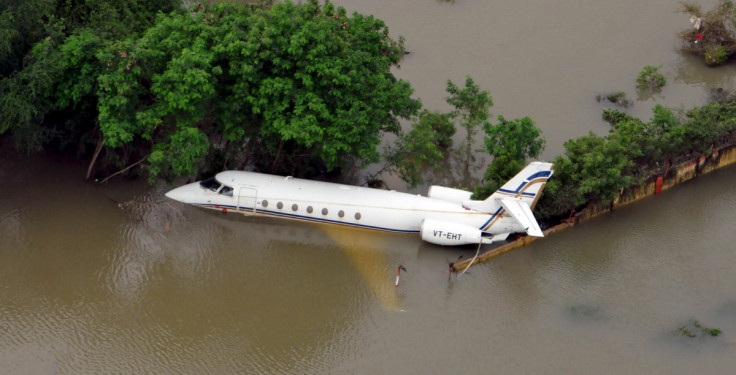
(310, 209)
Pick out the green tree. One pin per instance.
(295, 85)
(597, 169)
(441, 126)
(423, 146)
(502, 165)
(48, 64)
(472, 106)
(593, 169)
(520, 138)
(323, 82)
(303, 88)
(23, 23)
(26, 98)
(510, 143)
(661, 140)
(561, 192)
(709, 127)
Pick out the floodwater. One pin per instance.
(547, 60)
(118, 279)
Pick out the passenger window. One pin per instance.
(310, 209)
(210, 184)
(341, 213)
(226, 190)
(294, 207)
(324, 211)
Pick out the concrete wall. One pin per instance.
(698, 167)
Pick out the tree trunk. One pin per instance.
(276, 159)
(95, 155)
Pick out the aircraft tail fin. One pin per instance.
(527, 185)
(518, 196)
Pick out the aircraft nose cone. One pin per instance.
(182, 194)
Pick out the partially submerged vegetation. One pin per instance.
(598, 169)
(693, 329)
(713, 33)
(617, 98)
(650, 79)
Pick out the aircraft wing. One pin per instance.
(523, 214)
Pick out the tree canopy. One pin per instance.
(35, 63)
(510, 143)
(293, 88)
(472, 106)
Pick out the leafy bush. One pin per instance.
(715, 54)
(650, 79)
(598, 169)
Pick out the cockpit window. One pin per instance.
(226, 190)
(210, 184)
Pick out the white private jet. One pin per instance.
(445, 216)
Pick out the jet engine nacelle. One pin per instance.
(449, 233)
(448, 194)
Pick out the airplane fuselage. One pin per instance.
(445, 221)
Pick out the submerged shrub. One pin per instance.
(713, 33)
(715, 54)
(650, 79)
(694, 329)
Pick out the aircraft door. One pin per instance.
(247, 200)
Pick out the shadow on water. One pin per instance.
(585, 313)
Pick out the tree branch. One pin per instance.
(125, 169)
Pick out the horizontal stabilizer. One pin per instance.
(520, 211)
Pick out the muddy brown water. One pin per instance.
(118, 279)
